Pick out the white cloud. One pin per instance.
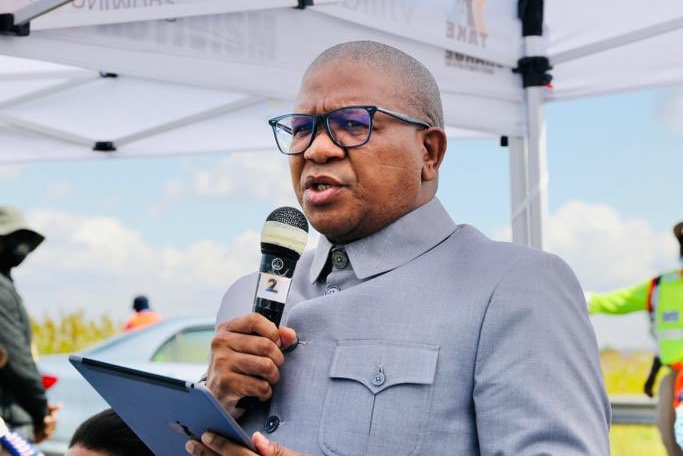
(671, 110)
(175, 188)
(173, 191)
(241, 177)
(9, 172)
(605, 249)
(608, 251)
(59, 190)
(98, 265)
(246, 175)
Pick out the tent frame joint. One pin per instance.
(104, 146)
(302, 4)
(8, 26)
(530, 12)
(534, 71)
(19, 22)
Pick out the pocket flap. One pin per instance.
(379, 364)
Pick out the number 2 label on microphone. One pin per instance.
(273, 287)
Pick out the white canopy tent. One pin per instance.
(192, 73)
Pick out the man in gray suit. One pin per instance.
(404, 333)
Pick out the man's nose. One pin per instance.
(323, 148)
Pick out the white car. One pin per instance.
(176, 347)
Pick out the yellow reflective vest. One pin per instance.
(662, 297)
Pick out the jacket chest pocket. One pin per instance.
(379, 398)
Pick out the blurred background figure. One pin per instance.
(143, 316)
(12, 444)
(106, 434)
(662, 298)
(23, 404)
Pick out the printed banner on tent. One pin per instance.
(264, 53)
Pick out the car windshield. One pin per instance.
(159, 343)
(190, 346)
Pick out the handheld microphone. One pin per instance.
(283, 239)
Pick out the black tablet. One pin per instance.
(163, 411)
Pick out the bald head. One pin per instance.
(419, 92)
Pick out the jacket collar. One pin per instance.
(404, 240)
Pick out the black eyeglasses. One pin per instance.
(350, 126)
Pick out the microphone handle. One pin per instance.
(272, 310)
(275, 274)
(275, 277)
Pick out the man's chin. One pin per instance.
(334, 226)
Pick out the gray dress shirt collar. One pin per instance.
(402, 241)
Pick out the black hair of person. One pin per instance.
(107, 433)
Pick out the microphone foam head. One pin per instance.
(286, 227)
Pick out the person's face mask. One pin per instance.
(13, 251)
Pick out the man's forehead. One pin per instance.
(348, 79)
(363, 65)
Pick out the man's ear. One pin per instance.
(434, 145)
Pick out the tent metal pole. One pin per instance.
(24, 76)
(44, 92)
(19, 22)
(519, 185)
(617, 41)
(46, 131)
(36, 9)
(537, 192)
(208, 114)
(533, 68)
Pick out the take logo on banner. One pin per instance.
(466, 23)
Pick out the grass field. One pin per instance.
(625, 373)
(635, 440)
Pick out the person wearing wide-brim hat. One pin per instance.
(17, 236)
(23, 403)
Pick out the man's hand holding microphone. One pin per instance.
(247, 352)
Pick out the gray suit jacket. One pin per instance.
(434, 340)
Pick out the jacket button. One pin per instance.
(339, 259)
(271, 424)
(378, 379)
(332, 289)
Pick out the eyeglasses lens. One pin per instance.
(350, 126)
(294, 132)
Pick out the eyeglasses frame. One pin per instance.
(324, 119)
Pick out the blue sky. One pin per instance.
(182, 228)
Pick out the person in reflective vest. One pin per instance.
(143, 316)
(662, 298)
